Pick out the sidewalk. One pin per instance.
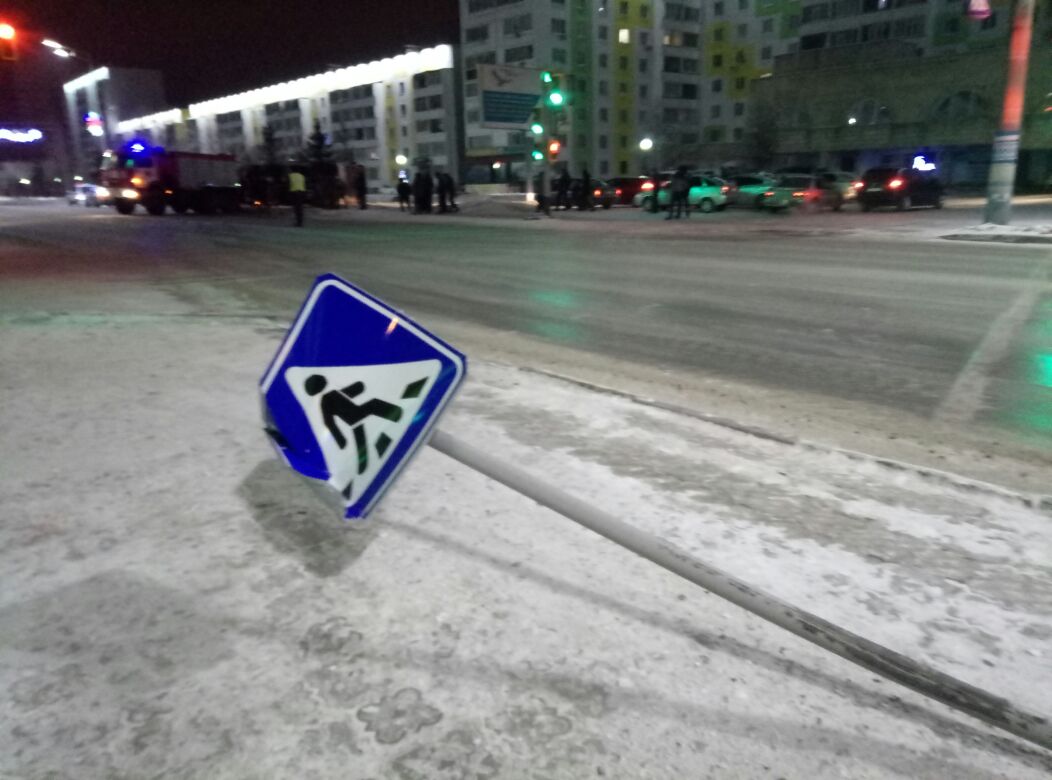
(177, 604)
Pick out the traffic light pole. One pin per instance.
(546, 171)
(1005, 153)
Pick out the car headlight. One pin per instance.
(129, 194)
(102, 192)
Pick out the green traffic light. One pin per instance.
(556, 98)
(547, 77)
(538, 154)
(537, 128)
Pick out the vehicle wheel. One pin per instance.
(838, 204)
(180, 206)
(706, 206)
(607, 205)
(865, 206)
(124, 206)
(154, 206)
(904, 203)
(646, 204)
(758, 203)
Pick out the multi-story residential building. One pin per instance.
(375, 113)
(631, 69)
(97, 102)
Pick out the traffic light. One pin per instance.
(8, 49)
(537, 128)
(537, 154)
(554, 147)
(553, 92)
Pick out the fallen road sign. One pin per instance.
(354, 390)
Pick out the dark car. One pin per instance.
(902, 188)
(627, 187)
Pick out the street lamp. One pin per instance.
(646, 144)
(401, 159)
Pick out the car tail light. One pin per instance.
(617, 192)
(597, 193)
(647, 186)
(857, 185)
(725, 189)
(136, 180)
(894, 184)
(769, 194)
(799, 194)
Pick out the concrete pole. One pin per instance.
(1005, 154)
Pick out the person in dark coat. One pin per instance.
(361, 186)
(451, 191)
(405, 191)
(442, 192)
(585, 194)
(562, 190)
(679, 190)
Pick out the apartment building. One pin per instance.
(375, 113)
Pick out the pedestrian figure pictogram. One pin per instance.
(338, 404)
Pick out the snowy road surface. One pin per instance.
(175, 604)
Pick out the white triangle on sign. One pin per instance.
(380, 401)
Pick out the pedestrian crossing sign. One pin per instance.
(354, 390)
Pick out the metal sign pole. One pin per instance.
(880, 660)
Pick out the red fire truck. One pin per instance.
(140, 173)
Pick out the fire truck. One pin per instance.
(139, 173)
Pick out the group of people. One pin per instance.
(567, 192)
(418, 196)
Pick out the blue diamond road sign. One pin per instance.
(354, 390)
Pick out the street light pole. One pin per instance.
(1005, 155)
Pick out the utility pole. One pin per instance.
(1005, 155)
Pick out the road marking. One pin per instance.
(966, 396)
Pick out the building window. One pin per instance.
(717, 85)
(559, 56)
(743, 31)
(624, 7)
(622, 88)
(559, 26)
(602, 142)
(739, 134)
(401, 87)
(739, 83)
(673, 65)
(604, 167)
(624, 141)
(643, 91)
(480, 33)
(643, 66)
(604, 115)
(603, 32)
(765, 53)
(603, 89)
(622, 63)
(768, 25)
(739, 109)
(717, 34)
(624, 35)
(717, 60)
(622, 115)
(519, 53)
(717, 8)
(743, 5)
(714, 112)
(623, 167)
(602, 60)
(517, 25)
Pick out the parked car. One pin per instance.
(847, 184)
(627, 187)
(748, 189)
(604, 193)
(902, 188)
(84, 194)
(707, 193)
(802, 190)
(650, 185)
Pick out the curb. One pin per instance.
(1037, 501)
(998, 239)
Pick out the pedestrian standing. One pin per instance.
(562, 190)
(585, 195)
(679, 187)
(361, 185)
(297, 194)
(405, 190)
(451, 191)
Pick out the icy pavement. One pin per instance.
(1012, 234)
(175, 604)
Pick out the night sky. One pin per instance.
(210, 49)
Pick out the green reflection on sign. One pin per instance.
(560, 299)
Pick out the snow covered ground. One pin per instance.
(176, 604)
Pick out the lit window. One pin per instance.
(624, 35)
